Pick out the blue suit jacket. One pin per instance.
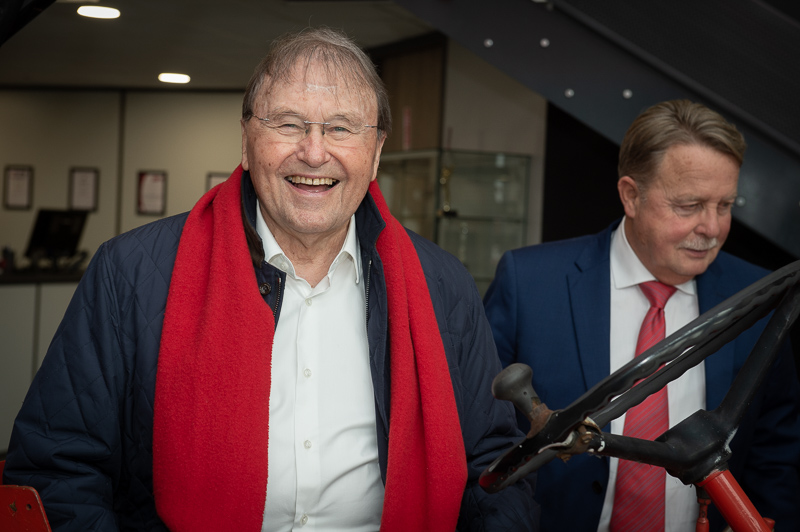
(549, 307)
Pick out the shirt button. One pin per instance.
(308, 302)
(307, 372)
(307, 444)
(304, 519)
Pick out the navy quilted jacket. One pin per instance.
(83, 437)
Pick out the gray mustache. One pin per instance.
(700, 244)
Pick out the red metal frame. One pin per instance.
(21, 508)
(732, 503)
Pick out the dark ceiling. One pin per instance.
(743, 55)
(216, 42)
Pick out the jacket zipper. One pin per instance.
(366, 293)
(277, 301)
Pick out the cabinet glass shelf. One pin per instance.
(472, 204)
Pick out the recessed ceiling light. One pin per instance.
(167, 77)
(98, 12)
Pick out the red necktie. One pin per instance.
(639, 495)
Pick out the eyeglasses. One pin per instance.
(292, 128)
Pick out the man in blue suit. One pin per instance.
(572, 311)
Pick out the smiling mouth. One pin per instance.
(326, 182)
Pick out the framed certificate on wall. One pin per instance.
(83, 189)
(152, 196)
(215, 178)
(18, 187)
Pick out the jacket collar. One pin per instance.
(719, 367)
(589, 289)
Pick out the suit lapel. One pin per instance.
(718, 366)
(590, 301)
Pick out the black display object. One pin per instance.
(55, 236)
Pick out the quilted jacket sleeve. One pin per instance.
(489, 428)
(83, 437)
(66, 438)
(487, 425)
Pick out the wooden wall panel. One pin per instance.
(415, 81)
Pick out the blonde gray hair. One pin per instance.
(670, 123)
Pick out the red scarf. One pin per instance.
(211, 420)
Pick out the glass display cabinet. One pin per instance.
(472, 204)
(408, 183)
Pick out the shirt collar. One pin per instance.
(626, 268)
(274, 255)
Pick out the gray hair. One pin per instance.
(332, 49)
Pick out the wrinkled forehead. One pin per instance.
(317, 80)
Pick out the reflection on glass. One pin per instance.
(479, 244)
(407, 181)
(486, 185)
(483, 209)
(473, 204)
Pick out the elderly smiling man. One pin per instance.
(285, 356)
(573, 310)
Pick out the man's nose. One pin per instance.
(710, 223)
(313, 149)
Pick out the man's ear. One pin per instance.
(245, 162)
(629, 195)
(377, 160)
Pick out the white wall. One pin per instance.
(53, 131)
(29, 317)
(186, 135)
(486, 110)
(17, 331)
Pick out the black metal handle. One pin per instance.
(514, 384)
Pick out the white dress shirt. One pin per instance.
(323, 470)
(686, 395)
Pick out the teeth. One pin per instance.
(300, 180)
